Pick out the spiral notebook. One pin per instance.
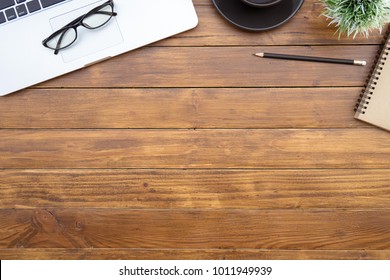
(373, 106)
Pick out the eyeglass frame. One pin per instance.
(75, 24)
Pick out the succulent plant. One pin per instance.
(357, 16)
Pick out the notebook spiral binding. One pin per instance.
(369, 88)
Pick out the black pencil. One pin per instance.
(311, 58)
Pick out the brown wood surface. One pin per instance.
(197, 254)
(194, 228)
(230, 67)
(182, 108)
(217, 148)
(192, 148)
(190, 189)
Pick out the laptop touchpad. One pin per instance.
(89, 41)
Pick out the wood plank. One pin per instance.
(193, 254)
(194, 229)
(181, 108)
(185, 189)
(222, 67)
(333, 148)
(307, 27)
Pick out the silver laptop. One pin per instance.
(42, 39)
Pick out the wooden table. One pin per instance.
(192, 148)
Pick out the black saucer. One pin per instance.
(257, 19)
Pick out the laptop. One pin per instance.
(27, 59)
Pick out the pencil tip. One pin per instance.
(259, 54)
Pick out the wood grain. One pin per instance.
(193, 254)
(188, 189)
(222, 67)
(181, 108)
(195, 148)
(194, 229)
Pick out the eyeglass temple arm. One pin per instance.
(56, 51)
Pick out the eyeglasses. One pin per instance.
(67, 35)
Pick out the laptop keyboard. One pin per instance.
(11, 10)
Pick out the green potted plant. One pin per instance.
(354, 17)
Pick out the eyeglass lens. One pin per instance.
(63, 39)
(98, 18)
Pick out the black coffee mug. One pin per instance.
(261, 3)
